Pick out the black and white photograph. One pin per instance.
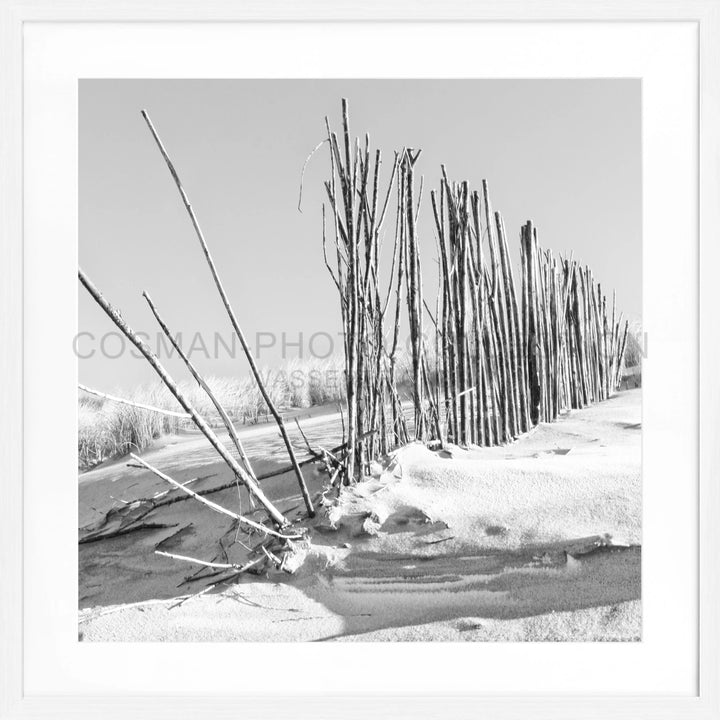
(386, 334)
(360, 360)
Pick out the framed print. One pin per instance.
(385, 338)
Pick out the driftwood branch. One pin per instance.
(213, 506)
(205, 563)
(132, 403)
(208, 391)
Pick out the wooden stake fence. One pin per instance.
(507, 355)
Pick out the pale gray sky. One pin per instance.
(564, 153)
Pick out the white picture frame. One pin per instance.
(15, 701)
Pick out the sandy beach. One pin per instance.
(537, 540)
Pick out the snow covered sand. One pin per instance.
(539, 540)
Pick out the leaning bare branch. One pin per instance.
(233, 319)
(132, 403)
(208, 391)
(205, 563)
(213, 506)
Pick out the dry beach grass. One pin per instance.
(108, 429)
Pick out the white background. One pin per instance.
(664, 55)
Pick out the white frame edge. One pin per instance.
(13, 15)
